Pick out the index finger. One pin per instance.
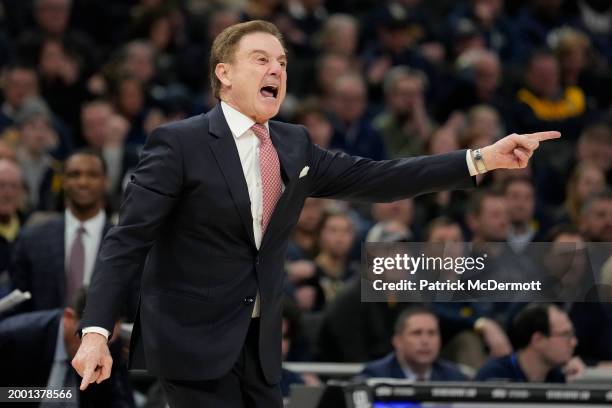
(540, 136)
(88, 377)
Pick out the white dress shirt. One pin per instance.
(94, 227)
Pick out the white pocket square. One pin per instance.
(304, 171)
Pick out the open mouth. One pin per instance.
(269, 91)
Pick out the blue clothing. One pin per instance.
(389, 367)
(508, 369)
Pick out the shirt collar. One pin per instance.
(96, 223)
(237, 121)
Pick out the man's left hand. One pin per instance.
(514, 151)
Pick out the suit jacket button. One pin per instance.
(249, 300)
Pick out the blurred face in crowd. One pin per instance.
(286, 344)
(37, 135)
(11, 189)
(349, 98)
(255, 82)
(84, 182)
(337, 236)
(446, 233)
(491, 224)
(521, 202)
(19, 84)
(484, 121)
(405, 94)
(139, 61)
(220, 20)
(557, 348)
(401, 211)
(311, 214)
(597, 152)
(331, 67)
(319, 128)
(567, 261)
(94, 120)
(131, 97)
(487, 73)
(418, 345)
(443, 140)
(340, 36)
(7, 152)
(596, 222)
(53, 15)
(543, 76)
(591, 180)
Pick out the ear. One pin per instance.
(223, 73)
(396, 342)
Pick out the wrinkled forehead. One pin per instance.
(262, 42)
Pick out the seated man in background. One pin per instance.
(545, 341)
(416, 344)
(37, 348)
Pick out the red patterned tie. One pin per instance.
(269, 167)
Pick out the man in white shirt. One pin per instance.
(207, 233)
(53, 260)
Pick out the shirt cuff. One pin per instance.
(470, 163)
(96, 329)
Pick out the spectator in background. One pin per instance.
(37, 139)
(596, 218)
(490, 22)
(404, 124)
(356, 331)
(129, 100)
(328, 68)
(544, 103)
(53, 259)
(595, 146)
(339, 36)
(466, 330)
(416, 343)
(334, 241)
(537, 19)
(7, 151)
(479, 77)
(585, 180)
(592, 320)
(303, 245)
(37, 348)
(545, 341)
(582, 67)
(62, 82)
(19, 82)
(483, 127)
(52, 19)
(353, 131)
(105, 131)
(316, 121)
(401, 211)
(520, 198)
(487, 217)
(11, 219)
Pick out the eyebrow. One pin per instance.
(283, 57)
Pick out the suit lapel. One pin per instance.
(225, 151)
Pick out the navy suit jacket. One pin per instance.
(38, 264)
(389, 367)
(186, 227)
(27, 347)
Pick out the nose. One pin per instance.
(275, 68)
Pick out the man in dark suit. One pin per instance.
(53, 259)
(206, 219)
(416, 345)
(36, 349)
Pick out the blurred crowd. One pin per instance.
(85, 81)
